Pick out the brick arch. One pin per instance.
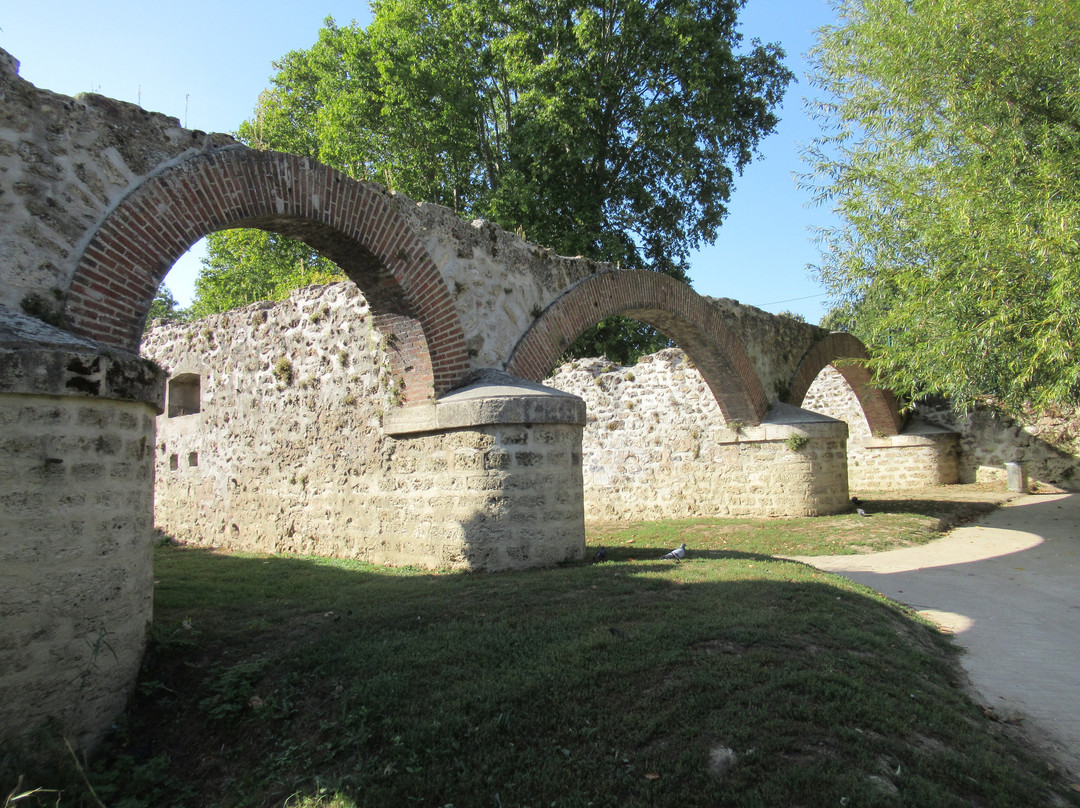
(352, 223)
(878, 405)
(668, 305)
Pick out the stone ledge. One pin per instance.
(57, 372)
(781, 422)
(40, 359)
(915, 434)
(493, 398)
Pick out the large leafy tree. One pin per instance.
(612, 129)
(951, 152)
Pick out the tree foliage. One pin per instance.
(244, 266)
(951, 152)
(164, 306)
(611, 129)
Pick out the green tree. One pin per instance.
(244, 266)
(611, 129)
(951, 152)
(165, 307)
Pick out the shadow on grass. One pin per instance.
(926, 507)
(645, 555)
(288, 681)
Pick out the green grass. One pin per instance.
(276, 681)
(894, 520)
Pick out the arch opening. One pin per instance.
(669, 306)
(351, 223)
(287, 452)
(843, 352)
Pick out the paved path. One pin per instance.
(1008, 586)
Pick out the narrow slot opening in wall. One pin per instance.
(192, 459)
(174, 462)
(184, 395)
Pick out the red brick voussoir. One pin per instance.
(879, 405)
(355, 224)
(668, 305)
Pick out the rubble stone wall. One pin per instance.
(288, 453)
(656, 446)
(1047, 445)
(924, 454)
(64, 161)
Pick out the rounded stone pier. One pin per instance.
(76, 577)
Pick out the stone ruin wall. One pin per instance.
(67, 162)
(306, 466)
(288, 452)
(923, 455)
(1046, 445)
(776, 345)
(654, 442)
(63, 162)
(656, 446)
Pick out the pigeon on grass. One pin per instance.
(600, 555)
(678, 554)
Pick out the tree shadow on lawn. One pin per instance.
(643, 555)
(953, 504)
(283, 679)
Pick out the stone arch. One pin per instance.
(668, 305)
(878, 405)
(352, 223)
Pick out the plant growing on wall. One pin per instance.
(795, 442)
(283, 371)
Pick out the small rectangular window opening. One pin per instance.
(184, 395)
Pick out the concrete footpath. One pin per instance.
(1008, 587)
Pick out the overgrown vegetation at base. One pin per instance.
(729, 679)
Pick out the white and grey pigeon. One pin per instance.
(678, 554)
(861, 512)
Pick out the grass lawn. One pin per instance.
(731, 679)
(895, 519)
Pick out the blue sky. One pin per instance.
(206, 62)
